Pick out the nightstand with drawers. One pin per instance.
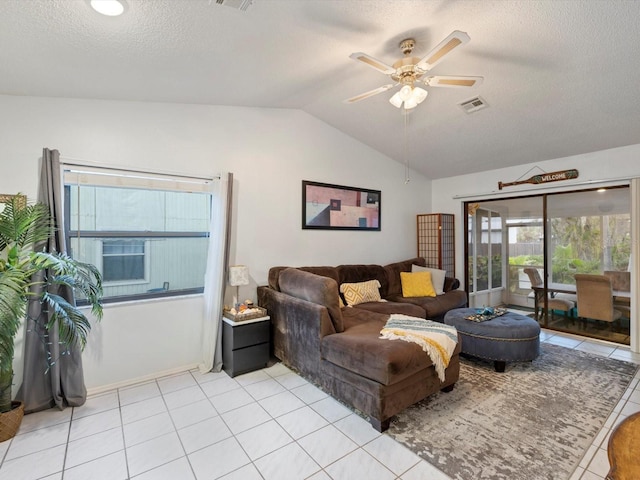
(245, 345)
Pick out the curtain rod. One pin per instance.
(604, 181)
(75, 162)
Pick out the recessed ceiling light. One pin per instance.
(111, 8)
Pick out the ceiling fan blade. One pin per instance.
(432, 58)
(368, 94)
(452, 81)
(373, 62)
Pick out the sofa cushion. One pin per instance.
(451, 283)
(361, 292)
(437, 277)
(417, 284)
(388, 308)
(437, 306)
(274, 274)
(363, 273)
(313, 288)
(360, 349)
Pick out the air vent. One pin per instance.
(237, 4)
(473, 105)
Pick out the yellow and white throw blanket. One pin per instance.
(437, 339)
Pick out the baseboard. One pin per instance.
(145, 378)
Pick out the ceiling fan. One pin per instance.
(409, 70)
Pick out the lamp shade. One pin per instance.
(238, 275)
(405, 92)
(419, 94)
(410, 103)
(395, 100)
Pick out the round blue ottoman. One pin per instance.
(508, 338)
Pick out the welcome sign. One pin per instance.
(544, 178)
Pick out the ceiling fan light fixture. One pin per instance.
(411, 97)
(409, 70)
(110, 8)
(405, 93)
(411, 103)
(395, 100)
(419, 94)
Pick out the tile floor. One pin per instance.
(269, 424)
(618, 333)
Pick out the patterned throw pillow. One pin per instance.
(417, 284)
(355, 293)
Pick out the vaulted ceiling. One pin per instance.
(560, 77)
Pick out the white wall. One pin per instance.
(594, 168)
(270, 151)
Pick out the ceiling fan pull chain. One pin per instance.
(407, 179)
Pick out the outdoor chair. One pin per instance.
(553, 303)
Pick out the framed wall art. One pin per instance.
(4, 198)
(336, 207)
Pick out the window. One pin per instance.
(123, 260)
(146, 234)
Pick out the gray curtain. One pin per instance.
(52, 375)
(216, 273)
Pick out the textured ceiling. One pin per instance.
(560, 77)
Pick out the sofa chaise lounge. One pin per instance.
(339, 348)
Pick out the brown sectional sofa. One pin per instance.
(340, 349)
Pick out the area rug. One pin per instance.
(534, 421)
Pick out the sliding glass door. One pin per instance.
(504, 236)
(514, 243)
(589, 233)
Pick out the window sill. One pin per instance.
(140, 301)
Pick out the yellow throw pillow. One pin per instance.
(417, 284)
(355, 293)
(437, 277)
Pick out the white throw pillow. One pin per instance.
(437, 277)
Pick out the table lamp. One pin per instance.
(238, 275)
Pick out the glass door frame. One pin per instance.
(491, 251)
(546, 224)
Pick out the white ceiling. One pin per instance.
(560, 77)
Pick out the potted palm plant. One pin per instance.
(24, 230)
